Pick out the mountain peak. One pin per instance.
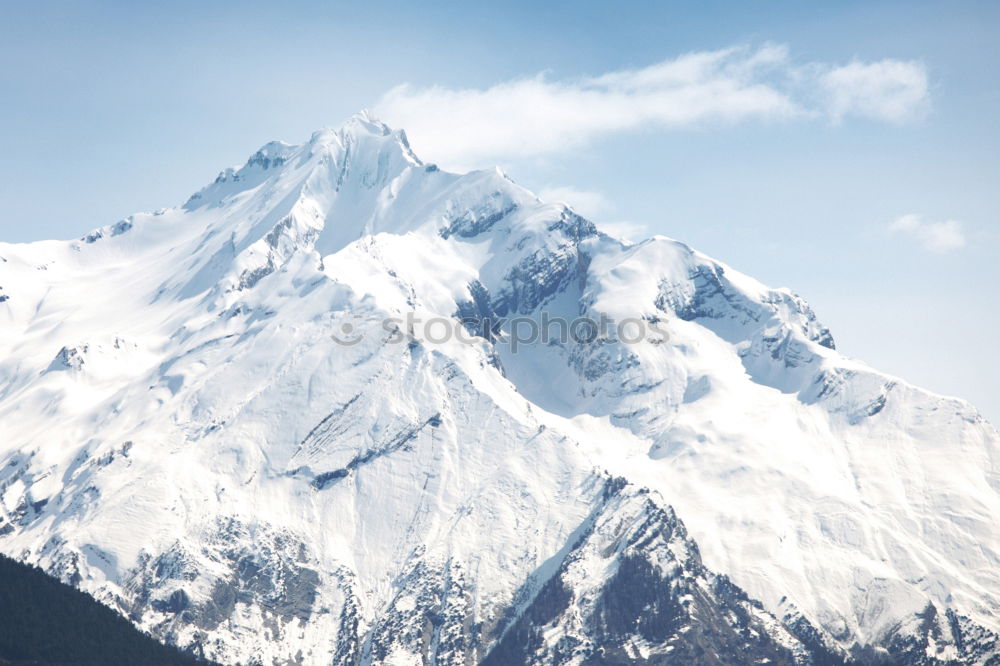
(247, 455)
(368, 120)
(361, 124)
(361, 145)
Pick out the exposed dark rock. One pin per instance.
(269, 570)
(69, 358)
(400, 441)
(116, 229)
(480, 218)
(537, 278)
(660, 606)
(573, 226)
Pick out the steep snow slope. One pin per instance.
(218, 419)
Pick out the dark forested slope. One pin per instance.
(44, 622)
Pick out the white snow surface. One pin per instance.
(178, 371)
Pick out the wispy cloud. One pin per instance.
(934, 236)
(539, 115)
(889, 90)
(595, 207)
(591, 205)
(633, 231)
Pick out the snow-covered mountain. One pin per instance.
(298, 420)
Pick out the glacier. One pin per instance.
(206, 424)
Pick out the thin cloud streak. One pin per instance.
(536, 116)
(596, 207)
(938, 237)
(888, 90)
(589, 204)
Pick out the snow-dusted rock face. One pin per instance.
(298, 420)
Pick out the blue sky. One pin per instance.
(847, 150)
